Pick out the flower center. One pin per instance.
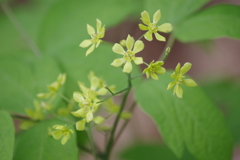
(153, 27)
(180, 79)
(129, 55)
(95, 38)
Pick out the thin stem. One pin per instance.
(125, 123)
(32, 45)
(113, 95)
(90, 137)
(84, 148)
(170, 43)
(20, 117)
(137, 76)
(109, 90)
(64, 97)
(141, 37)
(111, 138)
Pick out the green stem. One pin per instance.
(32, 45)
(113, 95)
(170, 43)
(64, 98)
(111, 138)
(125, 123)
(141, 37)
(90, 137)
(137, 76)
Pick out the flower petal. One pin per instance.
(90, 30)
(127, 67)
(185, 68)
(148, 36)
(80, 125)
(85, 43)
(177, 69)
(166, 28)
(156, 16)
(99, 24)
(160, 70)
(179, 91)
(138, 46)
(90, 50)
(64, 139)
(117, 62)
(102, 32)
(170, 85)
(57, 134)
(77, 96)
(117, 48)
(89, 116)
(145, 17)
(154, 76)
(94, 83)
(98, 120)
(129, 42)
(143, 27)
(189, 82)
(79, 113)
(138, 60)
(159, 37)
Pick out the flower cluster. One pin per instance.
(88, 102)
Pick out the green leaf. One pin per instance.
(225, 93)
(173, 11)
(151, 151)
(213, 22)
(35, 143)
(60, 30)
(6, 136)
(192, 121)
(21, 79)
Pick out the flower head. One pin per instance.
(152, 27)
(95, 37)
(154, 68)
(132, 48)
(61, 132)
(179, 79)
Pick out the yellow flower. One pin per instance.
(129, 54)
(154, 68)
(95, 37)
(179, 79)
(153, 28)
(61, 132)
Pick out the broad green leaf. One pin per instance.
(16, 82)
(174, 11)
(29, 16)
(65, 25)
(192, 121)
(151, 151)
(225, 93)
(35, 143)
(6, 136)
(22, 78)
(213, 22)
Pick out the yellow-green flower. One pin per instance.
(61, 132)
(179, 79)
(129, 54)
(87, 101)
(154, 68)
(54, 87)
(153, 28)
(95, 37)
